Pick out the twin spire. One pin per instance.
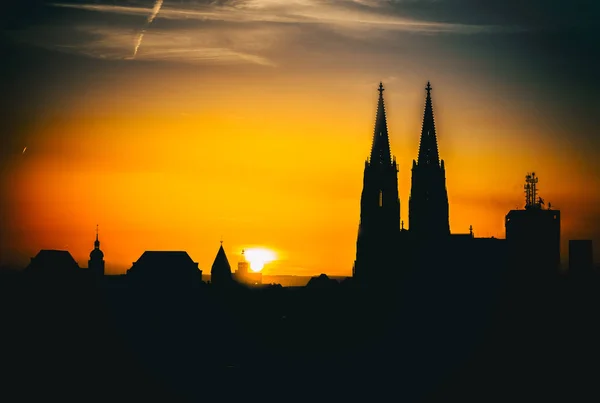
(428, 148)
(380, 150)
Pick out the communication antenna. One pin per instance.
(530, 187)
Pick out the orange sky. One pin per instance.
(279, 172)
(175, 156)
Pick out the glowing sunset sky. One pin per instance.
(251, 120)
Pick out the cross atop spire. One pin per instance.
(380, 150)
(428, 148)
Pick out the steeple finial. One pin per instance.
(380, 149)
(221, 239)
(97, 242)
(428, 149)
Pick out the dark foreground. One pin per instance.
(423, 340)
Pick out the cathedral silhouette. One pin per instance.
(386, 251)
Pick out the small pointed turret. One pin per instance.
(220, 273)
(428, 147)
(380, 150)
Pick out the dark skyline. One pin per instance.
(258, 85)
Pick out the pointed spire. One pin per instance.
(97, 242)
(220, 270)
(380, 150)
(428, 148)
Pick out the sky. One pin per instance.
(249, 121)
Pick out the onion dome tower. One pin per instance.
(96, 262)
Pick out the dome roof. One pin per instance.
(96, 254)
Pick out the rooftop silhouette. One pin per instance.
(426, 316)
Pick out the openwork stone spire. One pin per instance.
(380, 150)
(379, 208)
(428, 211)
(428, 147)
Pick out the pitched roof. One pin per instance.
(50, 259)
(165, 259)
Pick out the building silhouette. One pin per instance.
(51, 262)
(379, 205)
(386, 252)
(245, 275)
(164, 268)
(428, 213)
(96, 262)
(581, 257)
(220, 273)
(533, 235)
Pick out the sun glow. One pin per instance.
(258, 257)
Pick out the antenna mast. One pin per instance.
(531, 199)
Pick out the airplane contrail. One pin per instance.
(151, 18)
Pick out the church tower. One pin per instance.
(96, 262)
(379, 207)
(220, 273)
(428, 204)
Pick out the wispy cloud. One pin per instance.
(116, 43)
(151, 17)
(296, 11)
(226, 31)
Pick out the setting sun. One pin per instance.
(258, 257)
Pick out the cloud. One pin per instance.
(227, 31)
(346, 13)
(117, 43)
